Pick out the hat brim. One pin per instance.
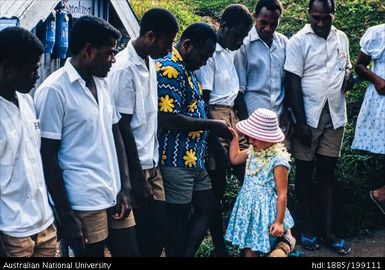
(274, 136)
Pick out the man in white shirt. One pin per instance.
(83, 153)
(259, 62)
(220, 85)
(134, 85)
(318, 67)
(26, 218)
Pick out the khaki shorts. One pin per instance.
(42, 244)
(97, 223)
(154, 177)
(227, 114)
(180, 183)
(326, 140)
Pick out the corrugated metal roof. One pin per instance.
(127, 16)
(14, 8)
(29, 12)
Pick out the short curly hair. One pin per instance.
(160, 21)
(91, 29)
(269, 4)
(199, 33)
(236, 14)
(331, 4)
(18, 45)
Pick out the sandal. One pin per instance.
(309, 243)
(295, 253)
(341, 247)
(380, 204)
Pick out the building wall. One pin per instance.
(100, 8)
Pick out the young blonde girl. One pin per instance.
(260, 216)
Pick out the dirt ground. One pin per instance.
(370, 245)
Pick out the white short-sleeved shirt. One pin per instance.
(135, 91)
(24, 207)
(321, 64)
(220, 77)
(87, 156)
(260, 71)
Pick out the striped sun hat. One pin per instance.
(262, 125)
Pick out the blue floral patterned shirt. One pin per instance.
(180, 92)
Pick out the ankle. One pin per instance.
(329, 236)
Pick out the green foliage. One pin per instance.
(182, 10)
(214, 8)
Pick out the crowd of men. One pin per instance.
(129, 150)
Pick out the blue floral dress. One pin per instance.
(256, 207)
(370, 128)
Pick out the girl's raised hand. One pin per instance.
(234, 133)
(276, 229)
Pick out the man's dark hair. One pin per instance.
(160, 21)
(269, 4)
(331, 4)
(199, 33)
(18, 45)
(91, 29)
(236, 14)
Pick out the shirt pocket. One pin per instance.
(34, 139)
(342, 60)
(37, 133)
(34, 133)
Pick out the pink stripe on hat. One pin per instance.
(262, 125)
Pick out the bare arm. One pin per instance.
(240, 106)
(3, 250)
(71, 227)
(281, 174)
(181, 123)
(206, 95)
(142, 190)
(295, 100)
(237, 156)
(123, 205)
(363, 71)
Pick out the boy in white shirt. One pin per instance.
(82, 149)
(135, 88)
(26, 218)
(220, 85)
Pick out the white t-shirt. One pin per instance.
(135, 90)
(321, 64)
(220, 77)
(24, 207)
(87, 156)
